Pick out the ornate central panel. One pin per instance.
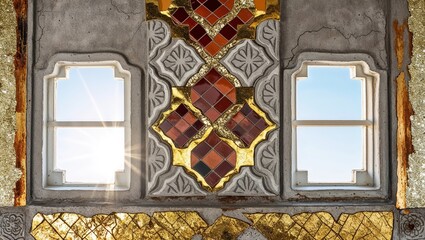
(213, 98)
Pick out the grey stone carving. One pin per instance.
(11, 226)
(412, 226)
(158, 96)
(158, 35)
(268, 37)
(178, 184)
(247, 61)
(245, 184)
(178, 62)
(267, 95)
(251, 233)
(267, 162)
(158, 160)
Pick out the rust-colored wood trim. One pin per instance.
(404, 112)
(20, 63)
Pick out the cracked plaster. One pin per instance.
(334, 26)
(9, 174)
(123, 31)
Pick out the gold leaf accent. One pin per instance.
(225, 228)
(321, 225)
(185, 225)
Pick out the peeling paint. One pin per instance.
(404, 138)
(20, 76)
(399, 42)
(404, 112)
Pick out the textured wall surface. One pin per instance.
(9, 174)
(416, 172)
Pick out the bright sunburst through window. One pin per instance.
(86, 130)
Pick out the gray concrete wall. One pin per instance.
(334, 26)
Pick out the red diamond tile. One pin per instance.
(180, 126)
(213, 159)
(212, 10)
(213, 95)
(247, 124)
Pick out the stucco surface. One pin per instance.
(334, 26)
(9, 174)
(416, 172)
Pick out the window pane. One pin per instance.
(90, 94)
(90, 155)
(329, 154)
(329, 94)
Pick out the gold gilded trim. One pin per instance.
(185, 225)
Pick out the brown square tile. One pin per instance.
(213, 76)
(165, 126)
(220, 40)
(212, 179)
(212, 114)
(212, 19)
(205, 40)
(182, 126)
(213, 139)
(238, 117)
(181, 141)
(212, 96)
(222, 11)
(173, 118)
(193, 160)
(202, 86)
(232, 158)
(229, 4)
(224, 86)
(203, 11)
(212, 159)
(173, 133)
(223, 149)
(190, 22)
(223, 104)
(190, 118)
(212, 49)
(228, 32)
(201, 150)
(190, 132)
(180, 15)
(223, 169)
(202, 105)
(245, 15)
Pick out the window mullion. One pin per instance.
(110, 124)
(332, 123)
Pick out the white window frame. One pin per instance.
(55, 179)
(362, 177)
(372, 182)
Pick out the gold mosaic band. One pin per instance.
(185, 225)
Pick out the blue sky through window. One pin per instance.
(330, 153)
